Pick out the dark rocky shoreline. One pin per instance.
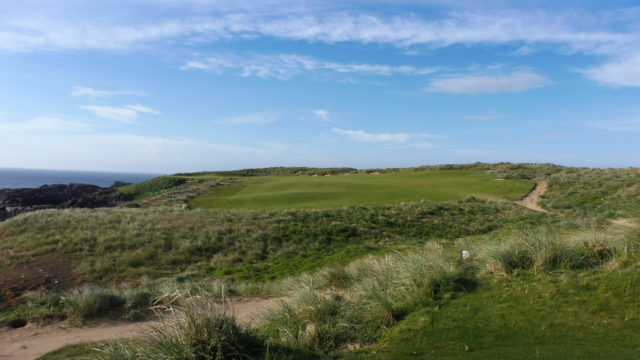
(17, 201)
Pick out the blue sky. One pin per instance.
(187, 85)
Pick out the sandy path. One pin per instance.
(624, 222)
(33, 341)
(531, 200)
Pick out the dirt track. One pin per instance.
(531, 200)
(624, 222)
(33, 341)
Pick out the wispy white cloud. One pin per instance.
(474, 152)
(517, 81)
(93, 93)
(524, 50)
(286, 66)
(493, 115)
(553, 136)
(128, 152)
(250, 119)
(360, 135)
(142, 109)
(416, 145)
(276, 146)
(27, 27)
(45, 124)
(323, 115)
(127, 114)
(46, 31)
(620, 72)
(617, 125)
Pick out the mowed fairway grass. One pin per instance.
(572, 315)
(294, 192)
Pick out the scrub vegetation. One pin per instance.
(360, 275)
(113, 245)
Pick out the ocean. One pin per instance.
(27, 178)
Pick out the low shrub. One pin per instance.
(315, 321)
(539, 250)
(138, 303)
(201, 331)
(374, 293)
(91, 301)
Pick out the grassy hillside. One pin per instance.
(119, 244)
(283, 192)
(381, 253)
(606, 193)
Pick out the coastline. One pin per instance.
(11, 178)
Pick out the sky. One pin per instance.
(165, 86)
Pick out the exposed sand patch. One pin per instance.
(531, 200)
(624, 222)
(33, 341)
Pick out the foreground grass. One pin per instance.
(569, 315)
(72, 352)
(550, 298)
(286, 192)
(590, 314)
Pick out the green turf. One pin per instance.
(75, 351)
(576, 315)
(282, 192)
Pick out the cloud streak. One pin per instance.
(617, 125)
(485, 117)
(286, 66)
(249, 119)
(128, 152)
(42, 124)
(93, 93)
(331, 26)
(127, 114)
(360, 135)
(322, 115)
(621, 72)
(45, 28)
(515, 82)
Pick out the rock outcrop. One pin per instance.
(16, 201)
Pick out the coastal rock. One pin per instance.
(119, 184)
(16, 201)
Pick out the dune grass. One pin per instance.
(538, 296)
(387, 279)
(362, 189)
(110, 245)
(605, 193)
(427, 302)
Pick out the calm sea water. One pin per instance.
(21, 178)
